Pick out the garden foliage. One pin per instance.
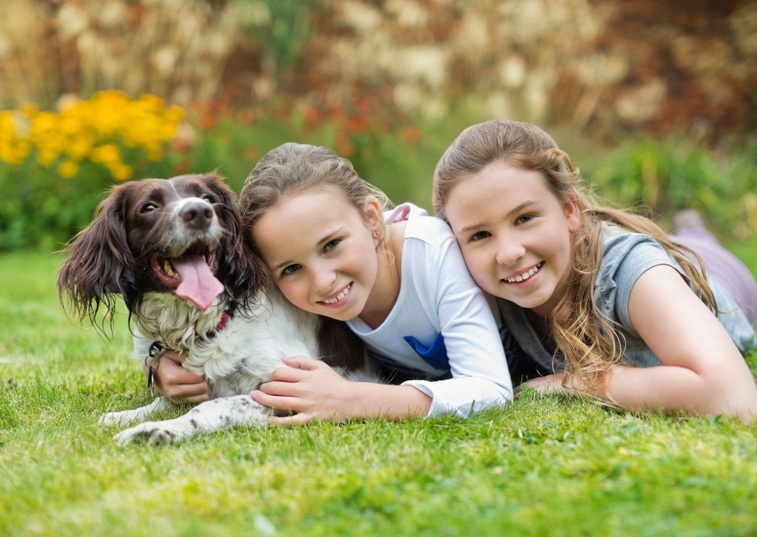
(55, 166)
(679, 172)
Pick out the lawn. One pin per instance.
(543, 466)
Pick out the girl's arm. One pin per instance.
(702, 371)
(311, 389)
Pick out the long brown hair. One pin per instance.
(587, 339)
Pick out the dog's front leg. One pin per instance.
(204, 418)
(138, 414)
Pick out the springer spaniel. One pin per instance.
(173, 250)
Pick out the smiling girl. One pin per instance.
(397, 278)
(596, 301)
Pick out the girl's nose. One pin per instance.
(322, 278)
(509, 252)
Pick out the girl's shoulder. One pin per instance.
(625, 257)
(418, 224)
(621, 245)
(403, 213)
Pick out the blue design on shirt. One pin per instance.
(435, 355)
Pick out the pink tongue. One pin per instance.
(197, 281)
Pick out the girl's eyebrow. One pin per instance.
(518, 208)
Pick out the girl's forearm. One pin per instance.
(369, 400)
(676, 390)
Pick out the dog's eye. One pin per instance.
(208, 198)
(148, 207)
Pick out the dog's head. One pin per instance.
(181, 235)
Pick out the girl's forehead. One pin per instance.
(328, 192)
(309, 207)
(322, 188)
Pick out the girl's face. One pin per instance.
(515, 234)
(321, 251)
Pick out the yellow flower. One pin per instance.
(79, 147)
(108, 154)
(68, 169)
(122, 172)
(96, 129)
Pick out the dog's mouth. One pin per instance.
(190, 275)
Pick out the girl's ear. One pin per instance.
(572, 214)
(374, 214)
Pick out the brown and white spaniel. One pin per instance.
(173, 250)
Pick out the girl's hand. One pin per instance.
(550, 384)
(309, 389)
(177, 384)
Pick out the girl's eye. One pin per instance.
(479, 235)
(290, 269)
(331, 245)
(148, 208)
(522, 219)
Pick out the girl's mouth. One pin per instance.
(338, 298)
(525, 275)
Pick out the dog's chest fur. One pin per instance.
(239, 356)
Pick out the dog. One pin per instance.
(173, 250)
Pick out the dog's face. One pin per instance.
(177, 228)
(180, 235)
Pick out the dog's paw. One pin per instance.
(118, 418)
(127, 417)
(153, 433)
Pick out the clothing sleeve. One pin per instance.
(625, 257)
(480, 377)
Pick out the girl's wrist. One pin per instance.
(353, 401)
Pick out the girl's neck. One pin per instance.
(386, 288)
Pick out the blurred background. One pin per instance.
(655, 101)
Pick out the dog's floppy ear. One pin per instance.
(243, 272)
(99, 262)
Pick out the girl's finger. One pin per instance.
(286, 374)
(303, 362)
(277, 388)
(276, 402)
(295, 419)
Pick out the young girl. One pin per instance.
(597, 301)
(397, 279)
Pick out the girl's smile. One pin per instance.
(339, 299)
(524, 275)
(514, 233)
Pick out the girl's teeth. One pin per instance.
(338, 297)
(526, 275)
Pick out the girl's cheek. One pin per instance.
(483, 278)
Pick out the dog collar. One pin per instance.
(228, 314)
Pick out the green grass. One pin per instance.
(543, 466)
(747, 252)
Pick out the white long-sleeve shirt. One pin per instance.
(441, 328)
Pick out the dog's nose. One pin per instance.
(197, 214)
